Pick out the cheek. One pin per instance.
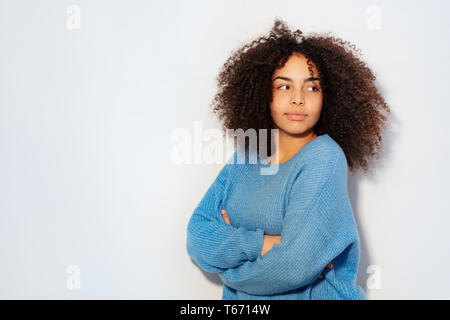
(276, 110)
(315, 104)
(278, 103)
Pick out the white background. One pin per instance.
(86, 118)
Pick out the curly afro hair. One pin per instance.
(352, 109)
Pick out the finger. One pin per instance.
(329, 266)
(225, 217)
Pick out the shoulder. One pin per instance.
(322, 154)
(332, 152)
(234, 164)
(224, 172)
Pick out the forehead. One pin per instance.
(296, 68)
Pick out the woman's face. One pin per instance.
(295, 91)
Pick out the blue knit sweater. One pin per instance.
(305, 201)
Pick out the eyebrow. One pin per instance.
(290, 80)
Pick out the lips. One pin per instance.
(296, 116)
(297, 113)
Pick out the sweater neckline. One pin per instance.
(286, 163)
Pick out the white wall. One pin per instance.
(86, 118)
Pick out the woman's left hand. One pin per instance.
(225, 216)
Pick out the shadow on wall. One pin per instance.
(353, 181)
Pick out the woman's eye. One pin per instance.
(287, 87)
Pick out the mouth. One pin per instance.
(296, 116)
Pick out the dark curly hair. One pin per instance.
(352, 105)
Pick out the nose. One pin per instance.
(297, 98)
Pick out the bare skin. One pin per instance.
(268, 241)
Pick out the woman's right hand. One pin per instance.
(269, 242)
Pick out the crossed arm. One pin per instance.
(268, 241)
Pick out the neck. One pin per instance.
(287, 145)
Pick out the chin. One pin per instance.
(294, 131)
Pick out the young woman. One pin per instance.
(292, 234)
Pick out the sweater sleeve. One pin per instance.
(316, 229)
(211, 242)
